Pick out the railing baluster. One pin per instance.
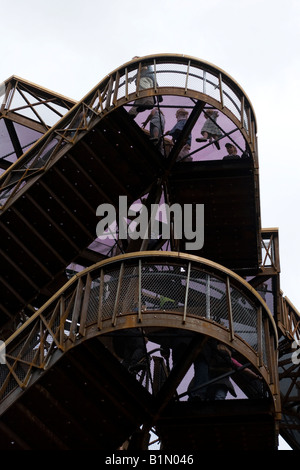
(42, 343)
(61, 320)
(242, 112)
(155, 79)
(100, 306)
(85, 304)
(187, 76)
(186, 292)
(259, 336)
(140, 291)
(76, 310)
(109, 92)
(229, 306)
(221, 90)
(207, 303)
(126, 83)
(117, 81)
(268, 350)
(138, 78)
(114, 317)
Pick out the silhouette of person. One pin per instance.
(210, 130)
(146, 81)
(157, 125)
(232, 152)
(181, 116)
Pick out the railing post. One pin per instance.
(269, 351)
(126, 83)
(138, 78)
(61, 320)
(76, 310)
(114, 317)
(85, 304)
(155, 79)
(207, 289)
(242, 112)
(221, 90)
(100, 306)
(140, 291)
(109, 92)
(259, 336)
(117, 81)
(204, 82)
(187, 76)
(186, 292)
(229, 306)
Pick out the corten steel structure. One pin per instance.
(73, 305)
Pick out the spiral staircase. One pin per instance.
(76, 305)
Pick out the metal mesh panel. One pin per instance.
(195, 79)
(244, 318)
(109, 293)
(163, 288)
(128, 295)
(20, 369)
(92, 313)
(121, 87)
(211, 86)
(231, 101)
(68, 305)
(12, 383)
(56, 324)
(132, 81)
(171, 75)
(150, 295)
(198, 301)
(27, 347)
(32, 346)
(264, 351)
(218, 301)
(207, 296)
(245, 121)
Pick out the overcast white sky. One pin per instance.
(69, 46)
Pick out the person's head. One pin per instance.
(211, 113)
(181, 114)
(231, 149)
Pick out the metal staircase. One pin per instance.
(64, 380)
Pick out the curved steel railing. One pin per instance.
(173, 75)
(289, 372)
(145, 290)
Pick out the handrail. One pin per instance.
(188, 77)
(160, 254)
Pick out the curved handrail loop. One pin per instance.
(149, 290)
